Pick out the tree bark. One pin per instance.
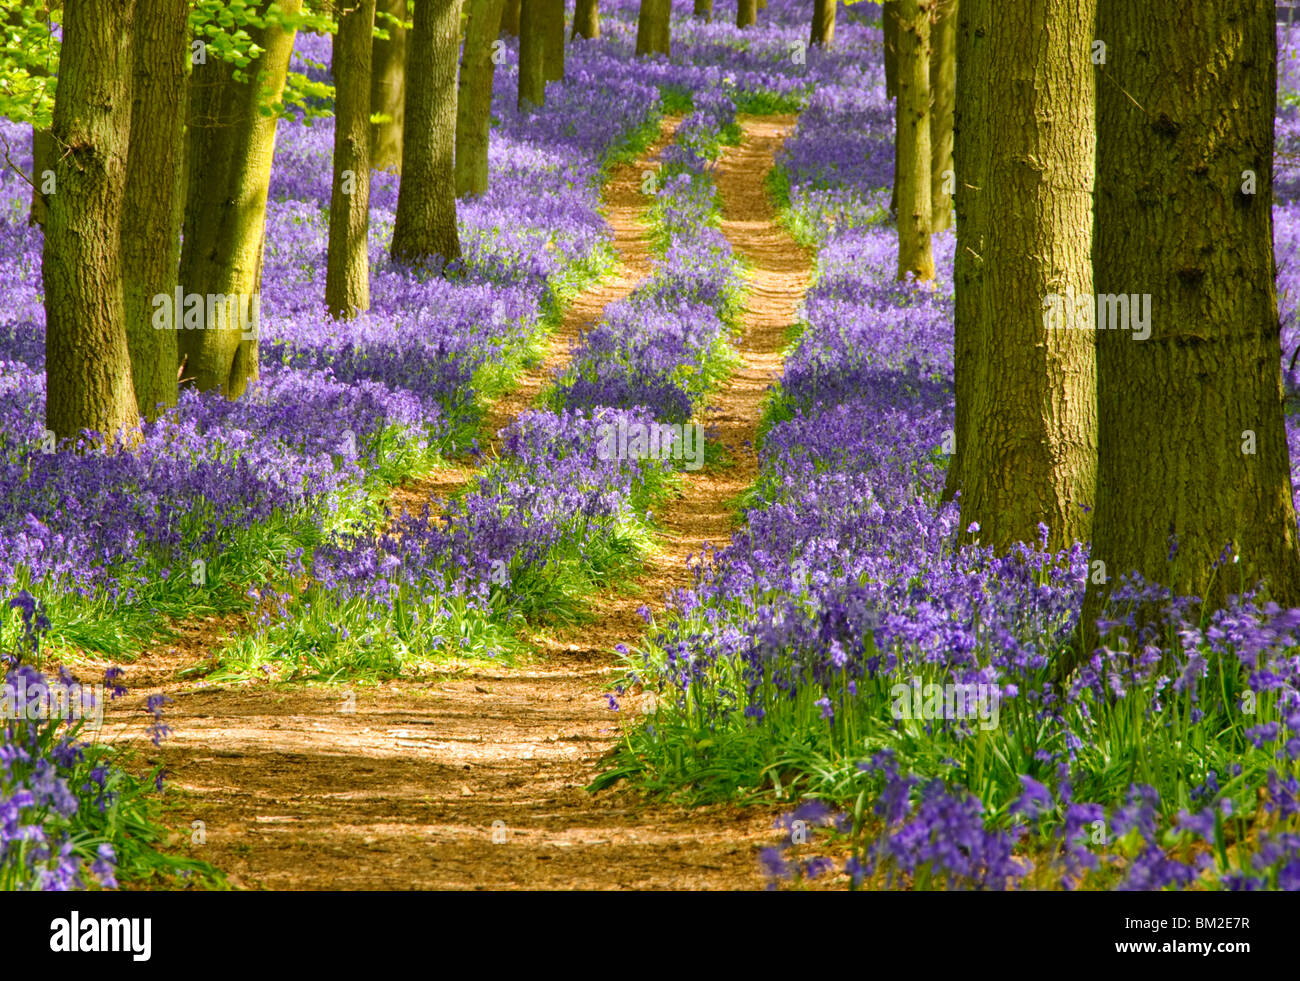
(553, 40)
(586, 19)
(231, 145)
(153, 206)
(970, 161)
(474, 97)
(510, 18)
(913, 124)
(387, 88)
(943, 90)
(87, 366)
(1031, 457)
(823, 23)
(652, 27)
(746, 13)
(425, 225)
(1191, 440)
(347, 274)
(532, 55)
(704, 10)
(889, 35)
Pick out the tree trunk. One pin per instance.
(153, 206)
(347, 273)
(425, 225)
(913, 123)
(231, 144)
(1191, 442)
(652, 27)
(586, 19)
(704, 10)
(746, 12)
(1032, 453)
(553, 40)
(823, 23)
(510, 18)
(970, 161)
(532, 54)
(889, 35)
(474, 97)
(87, 367)
(943, 90)
(387, 88)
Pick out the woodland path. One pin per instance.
(405, 792)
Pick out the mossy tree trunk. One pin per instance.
(943, 92)
(153, 207)
(231, 145)
(704, 10)
(586, 19)
(553, 40)
(889, 42)
(474, 97)
(823, 23)
(913, 136)
(532, 54)
(87, 365)
(746, 13)
(652, 27)
(347, 275)
(387, 88)
(1031, 453)
(510, 13)
(425, 225)
(1191, 441)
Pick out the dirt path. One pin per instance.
(476, 779)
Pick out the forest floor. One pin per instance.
(476, 777)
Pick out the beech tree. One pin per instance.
(586, 19)
(652, 27)
(532, 54)
(1192, 452)
(943, 94)
(87, 366)
(425, 225)
(704, 9)
(347, 275)
(913, 136)
(553, 40)
(510, 14)
(474, 97)
(746, 13)
(823, 23)
(387, 88)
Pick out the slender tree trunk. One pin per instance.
(586, 19)
(387, 88)
(1191, 442)
(943, 93)
(746, 13)
(704, 10)
(970, 161)
(913, 120)
(823, 23)
(889, 34)
(474, 97)
(510, 18)
(553, 40)
(347, 274)
(652, 27)
(532, 54)
(153, 206)
(87, 366)
(1033, 456)
(425, 225)
(231, 145)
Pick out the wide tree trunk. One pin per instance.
(347, 273)
(746, 13)
(586, 19)
(1031, 457)
(704, 9)
(823, 23)
(231, 145)
(532, 54)
(1191, 442)
(553, 40)
(474, 97)
(153, 207)
(425, 225)
(943, 93)
(387, 86)
(652, 27)
(510, 14)
(913, 125)
(970, 162)
(87, 366)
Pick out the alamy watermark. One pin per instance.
(52, 700)
(952, 701)
(656, 440)
(1101, 311)
(208, 311)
